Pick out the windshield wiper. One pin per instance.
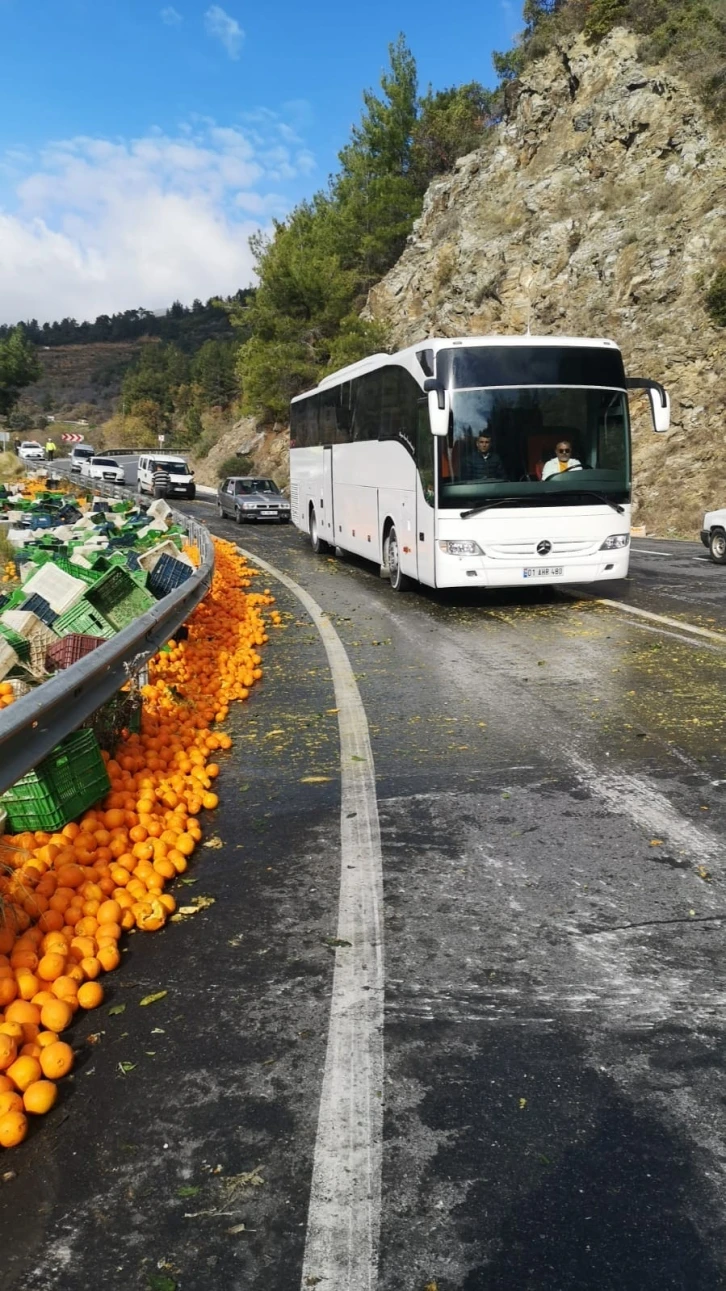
(499, 502)
(602, 497)
(495, 502)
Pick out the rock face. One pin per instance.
(596, 209)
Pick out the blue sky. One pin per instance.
(142, 142)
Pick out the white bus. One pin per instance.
(482, 461)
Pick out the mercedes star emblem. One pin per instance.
(544, 547)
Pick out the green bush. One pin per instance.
(235, 466)
(602, 16)
(716, 298)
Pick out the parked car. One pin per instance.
(246, 497)
(713, 535)
(31, 451)
(102, 468)
(79, 454)
(173, 471)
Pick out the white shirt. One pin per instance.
(553, 467)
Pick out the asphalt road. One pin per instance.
(550, 786)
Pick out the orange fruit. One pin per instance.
(6, 1085)
(65, 988)
(108, 912)
(56, 1016)
(13, 1129)
(51, 966)
(22, 1011)
(24, 1071)
(56, 1060)
(90, 995)
(14, 1030)
(47, 1037)
(10, 1101)
(109, 958)
(91, 966)
(40, 1097)
(8, 991)
(28, 985)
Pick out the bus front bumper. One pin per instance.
(461, 571)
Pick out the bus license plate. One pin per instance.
(544, 571)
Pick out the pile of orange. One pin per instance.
(10, 572)
(69, 896)
(7, 694)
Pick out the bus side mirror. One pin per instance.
(660, 407)
(660, 404)
(438, 406)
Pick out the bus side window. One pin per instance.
(367, 406)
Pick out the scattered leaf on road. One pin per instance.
(522, 1104)
(159, 1282)
(236, 1228)
(117, 1008)
(126, 1067)
(189, 1190)
(316, 779)
(336, 941)
(151, 999)
(213, 842)
(656, 842)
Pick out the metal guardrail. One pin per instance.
(31, 727)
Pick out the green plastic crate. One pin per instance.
(20, 645)
(66, 783)
(84, 618)
(118, 598)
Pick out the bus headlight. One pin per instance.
(615, 540)
(460, 547)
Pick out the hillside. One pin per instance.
(595, 208)
(81, 380)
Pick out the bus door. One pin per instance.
(327, 519)
(425, 514)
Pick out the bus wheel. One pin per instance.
(316, 542)
(717, 546)
(399, 581)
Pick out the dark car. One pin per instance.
(247, 497)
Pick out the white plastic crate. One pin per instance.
(166, 548)
(35, 631)
(58, 588)
(8, 658)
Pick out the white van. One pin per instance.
(180, 477)
(80, 453)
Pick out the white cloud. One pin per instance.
(170, 16)
(223, 27)
(99, 225)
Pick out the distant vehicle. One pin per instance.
(713, 535)
(178, 478)
(79, 454)
(246, 497)
(102, 468)
(31, 451)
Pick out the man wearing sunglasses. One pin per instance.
(563, 461)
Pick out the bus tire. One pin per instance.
(317, 543)
(717, 546)
(399, 582)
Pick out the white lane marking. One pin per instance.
(644, 551)
(646, 614)
(344, 1217)
(635, 797)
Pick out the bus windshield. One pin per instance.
(539, 445)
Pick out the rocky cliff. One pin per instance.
(596, 208)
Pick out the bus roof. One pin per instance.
(437, 343)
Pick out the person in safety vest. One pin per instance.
(50, 450)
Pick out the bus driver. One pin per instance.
(564, 461)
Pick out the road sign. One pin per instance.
(72, 439)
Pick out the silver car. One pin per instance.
(252, 497)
